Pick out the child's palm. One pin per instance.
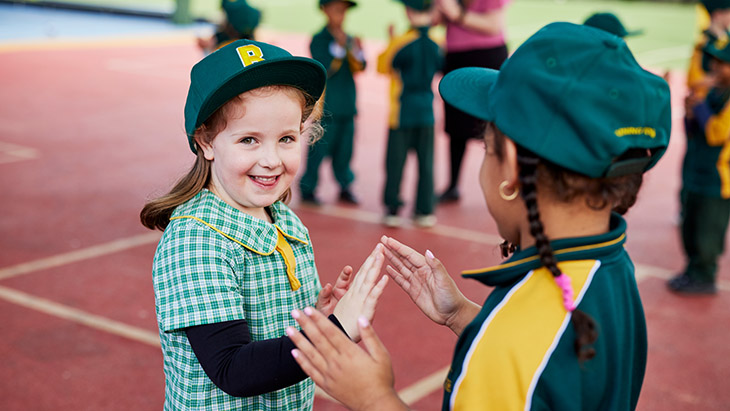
(330, 295)
(426, 282)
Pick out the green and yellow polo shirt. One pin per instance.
(706, 166)
(411, 60)
(518, 353)
(214, 264)
(340, 96)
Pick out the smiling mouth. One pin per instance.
(265, 180)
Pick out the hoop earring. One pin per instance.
(504, 196)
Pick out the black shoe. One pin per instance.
(346, 196)
(310, 199)
(450, 196)
(684, 284)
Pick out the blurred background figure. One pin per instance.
(474, 38)
(698, 81)
(240, 22)
(342, 56)
(610, 22)
(706, 176)
(411, 60)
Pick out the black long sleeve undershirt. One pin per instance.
(241, 367)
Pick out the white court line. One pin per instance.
(79, 316)
(14, 152)
(420, 389)
(79, 255)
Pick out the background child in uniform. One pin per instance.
(610, 22)
(564, 327)
(342, 56)
(698, 82)
(411, 59)
(240, 23)
(234, 260)
(706, 178)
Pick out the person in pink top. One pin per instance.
(474, 38)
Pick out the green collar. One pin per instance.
(256, 235)
(579, 248)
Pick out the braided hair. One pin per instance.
(585, 327)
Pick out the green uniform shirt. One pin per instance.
(518, 352)
(706, 167)
(214, 264)
(411, 60)
(340, 95)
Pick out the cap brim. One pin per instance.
(468, 89)
(631, 33)
(300, 72)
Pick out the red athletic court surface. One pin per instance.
(90, 129)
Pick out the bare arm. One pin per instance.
(488, 23)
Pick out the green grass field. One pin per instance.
(669, 29)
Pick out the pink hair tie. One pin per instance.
(565, 285)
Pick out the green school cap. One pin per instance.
(420, 5)
(573, 95)
(241, 66)
(712, 5)
(349, 2)
(718, 49)
(610, 23)
(241, 15)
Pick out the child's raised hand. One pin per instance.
(428, 284)
(360, 380)
(449, 9)
(363, 294)
(330, 295)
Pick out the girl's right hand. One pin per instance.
(363, 294)
(428, 284)
(361, 380)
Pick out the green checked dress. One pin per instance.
(214, 264)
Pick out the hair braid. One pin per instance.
(583, 324)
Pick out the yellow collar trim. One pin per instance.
(535, 257)
(282, 246)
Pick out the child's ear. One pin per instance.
(206, 147)
(510, 169)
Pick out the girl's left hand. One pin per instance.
(329, 295)
(363, 294)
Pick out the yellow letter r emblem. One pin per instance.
(250, 54)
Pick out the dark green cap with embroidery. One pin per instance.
(610, 23)
(712, 5)
(575, 96)
(241, 66)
